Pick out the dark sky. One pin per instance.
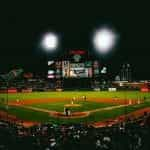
(22, 24)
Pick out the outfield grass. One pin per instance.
(66, 94)
(32, 115)
(27, 114)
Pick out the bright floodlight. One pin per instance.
(104, 40)
(50, 42)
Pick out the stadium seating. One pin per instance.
(134, 135)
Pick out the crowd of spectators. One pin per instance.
(132, 135)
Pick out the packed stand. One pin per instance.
(134, 135)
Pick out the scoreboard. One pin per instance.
(69, 69)
(76, 64)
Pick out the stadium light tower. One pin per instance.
(50, 42)
(104, 40)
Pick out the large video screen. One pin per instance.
(70, 69)
(76, 70)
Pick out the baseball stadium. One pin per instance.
(72, 79)
(77, 90)
(85, 106)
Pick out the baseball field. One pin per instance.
(84, 107)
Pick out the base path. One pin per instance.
(73, 115)
(122, 118)
(25, 104)
(120, 102)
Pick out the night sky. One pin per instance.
(22, 25)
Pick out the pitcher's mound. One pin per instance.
(72, 105)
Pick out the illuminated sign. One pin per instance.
(50, 76)
(50, 71)
(77, 52)
(76, 58)
(144, 89)
(50, 62)
(77, 65)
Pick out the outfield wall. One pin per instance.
(14, 90)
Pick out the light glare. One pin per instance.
(50, 41)
(104, 40)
